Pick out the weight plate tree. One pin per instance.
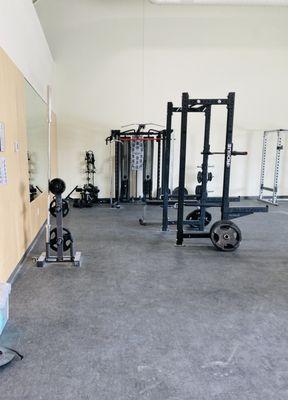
(224, 234)
(90, 166)
(56, 187)
(89, 193)
(60, 238)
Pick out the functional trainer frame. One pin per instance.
(273, 199)
(122, 168)
(227, 213)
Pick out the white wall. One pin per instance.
(22, 38)
(120, 62)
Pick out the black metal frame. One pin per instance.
(168, 200)
(119, 137)
(165, 198)
(148, 164)
(227, 212)
(46, 257)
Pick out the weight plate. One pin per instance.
(200, 177)
(160, 191)
(57, 186)
(198, 190)
(53, 208)
(93, 191)
(195, 216)
(67, 239)
(175, 192)
(77, 203)
(90, 159)
(225, 235)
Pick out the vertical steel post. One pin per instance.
(116, 167)
(148, 162)
(164, 137)
(145, 169)
(158, 166)
(49, 123)
(182, 167)
(206, 151)
(277, 168)
(263, 165)
(228, 156)
(130, 174)
(59, 227)
(166, 166)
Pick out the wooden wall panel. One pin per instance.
(20, 220)
(14, 204)
(38, 213)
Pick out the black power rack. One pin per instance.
(224, 234)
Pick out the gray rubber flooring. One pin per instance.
(143, 319)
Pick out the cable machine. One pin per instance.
(134, 160)
(224, 234)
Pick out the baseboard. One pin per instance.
(257, 197)
(19, 266)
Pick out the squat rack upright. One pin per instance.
(273, 199)
(225, 235)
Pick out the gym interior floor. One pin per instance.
(143, 319)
